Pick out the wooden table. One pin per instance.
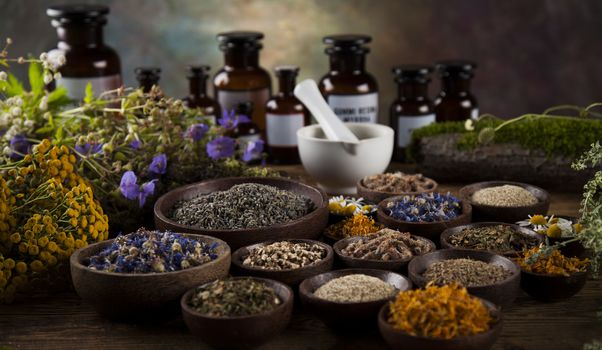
(62, 321)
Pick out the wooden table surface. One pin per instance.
(63, 321)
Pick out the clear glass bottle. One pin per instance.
(412, 109)
(147, 77)
(455, 101)
(285, 115)
(88, 59)
(242, 79)
(197, 93)
(350, 91)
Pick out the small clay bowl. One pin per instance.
(348, 316)
(505, 214)
(447, 234)
(240, 332)
(379, 196)
(552, 288)
(137, 295)
(430, 230)
(291, 277)
(398, 339)
(502, 293)
(390, 265)
(309, 226)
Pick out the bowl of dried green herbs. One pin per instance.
(243, 211)
(237, 312)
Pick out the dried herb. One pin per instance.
(466, 272)
(234, 297)
(553, 264)
(398, 182)
(504, 196)
(425, 207)
(285, 255)
(445, 312)
(243, 206)
(387, 245)
(357, 225)
(498, 238)
(356, 288)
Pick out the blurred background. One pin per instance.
(531, 54)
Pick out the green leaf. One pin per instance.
(13, 86)
(44, 130)
(58, 135)
(4, 63)
(58, 97)
(36, 78)
(89, 93)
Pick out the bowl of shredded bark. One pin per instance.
(237, 312)
(350, 299)
(378, 187)
(289, 261)
(386, 249)
(243, 211)
(505, 201)
(487, 275)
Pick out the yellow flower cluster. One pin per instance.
(46, 212)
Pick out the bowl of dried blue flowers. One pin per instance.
(244, 211)
(425, 214)
(146, 272)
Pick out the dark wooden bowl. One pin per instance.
(391, 265)
(398, 339)
(291, 277)
(552, 288)
(308, 227)
(240, 332)
(447, 234)
(502, 293)
(379, 196)
(347, 316)
(136, 295)
(512, 214)
(430, 230)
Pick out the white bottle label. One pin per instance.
(76, 87)
(355, 108)
(474, 114)
(407, 124)
(282, 129)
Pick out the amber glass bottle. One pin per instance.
(285, 115)
(351, 92)
(197, 93)
(147, 77)
(242, 79)
(245, 132)
(412, 109)
(88, 59)
(455, 101)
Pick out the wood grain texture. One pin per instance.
(64, 321)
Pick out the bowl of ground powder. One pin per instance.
(505, 201)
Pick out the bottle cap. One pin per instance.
(286, 70)
(243, 39)
(64, 14)
(412, 73)
(352, 43)
(456, 68)
(198, 71)
(147, 75)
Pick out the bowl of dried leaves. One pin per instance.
(289, 261)
(243, 211)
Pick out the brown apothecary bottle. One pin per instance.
(455, 101)
(88, 59)
(285, 114)
(242, 79)
(197, 93)
(350, 91)
(147, 77)
(413, 108)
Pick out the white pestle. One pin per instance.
(334, 129)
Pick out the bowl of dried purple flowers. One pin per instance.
(425, 214)
(244, 211)
(145, 272)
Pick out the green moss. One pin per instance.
(556, 136)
